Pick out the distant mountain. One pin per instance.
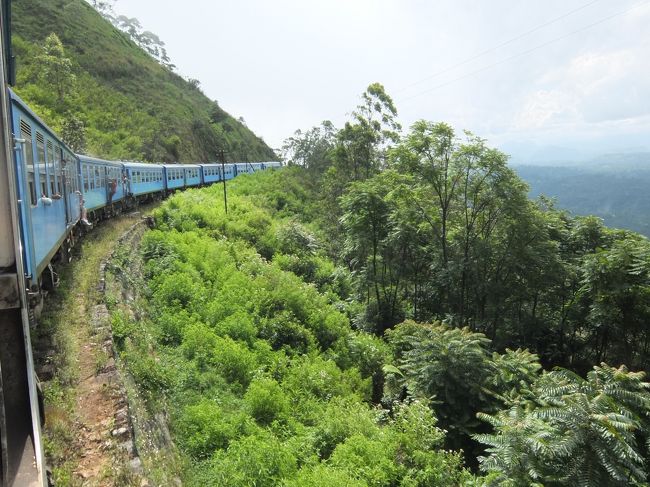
(615, 187)
(132, 106)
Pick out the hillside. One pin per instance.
(614, 188)
(132, 107)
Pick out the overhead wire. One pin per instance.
(523, 53)
(498, 46)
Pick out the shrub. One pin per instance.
(238, 326)
(122, 327)
(369, 459)
(234, 361)
(324, 476)
(266, 401)
(259, 460)
(315, 376)
(283, 331)
(199, 344)
(342, 418)
(204, 427)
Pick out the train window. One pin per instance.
(51, 169)
(58, 173)
(28, 156)
(44, 177)
(84, 176)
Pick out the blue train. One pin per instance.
(60, 192)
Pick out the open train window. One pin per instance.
(42, 168)
(84, 176)
(58, 173)
(51, 168)
(28, 156)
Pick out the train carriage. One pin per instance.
(229, 171)
(144, 179)
(104, 182)
(48, 188)
(210, 173)
(192, 175)
(174, 176)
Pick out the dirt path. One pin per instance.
(87, 438)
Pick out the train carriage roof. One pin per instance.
(141, 165)
(95, 160)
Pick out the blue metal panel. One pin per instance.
(44, 223)
(103, 182)
(192, 174)
(144, 178)
(231, 171)
(174, 176)
(211, 173)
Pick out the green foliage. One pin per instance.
(448, 367)
(266, 401)
(573, 431)
(253, 460)
(234, 361)
(56, 69)
(266, 380)
(204, 427)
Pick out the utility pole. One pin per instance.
(222, 159)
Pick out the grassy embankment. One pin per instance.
(241, 337)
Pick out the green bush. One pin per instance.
(340, 419)
(283, 331)
(266, 401)
(325, 476)
(234, 361)
(372, 460)
(199, 344)
(322, 379)
(204, 427)
(238, 326)
(259, 460)
(122, 327)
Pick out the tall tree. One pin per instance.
(362, 143)
(57, 69)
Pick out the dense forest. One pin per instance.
(110, 94)
(392, 310)
(612, 187)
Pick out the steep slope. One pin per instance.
(130, 105)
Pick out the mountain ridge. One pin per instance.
(131, 106)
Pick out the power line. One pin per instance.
(498, 46)
(523, 53)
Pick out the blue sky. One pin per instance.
(577, 86)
